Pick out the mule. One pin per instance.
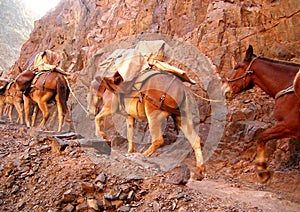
(10, 95)
(159, 96)
(276, 79)
(41, 89)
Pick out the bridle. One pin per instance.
(247, 72)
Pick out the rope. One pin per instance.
(71, 91)
(206, 99)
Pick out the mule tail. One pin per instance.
(62, 91)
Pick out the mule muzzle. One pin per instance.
(91, 116)
(227, 92)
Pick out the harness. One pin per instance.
(249, 72)
(289, 89)
(9, 93)
(36, 77)
(9, 84)
(161, 104)
(137, 86)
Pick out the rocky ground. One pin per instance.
(46, 172)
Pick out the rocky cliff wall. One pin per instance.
(85, 32)
(218, 28)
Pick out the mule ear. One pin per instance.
(249, 54)
(118, 79)
(233, 61)
(109, 80)
(44, 53)
(108, 83)
(98, 79)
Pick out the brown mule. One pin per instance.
(276, 79)
(44, 87)
(160, 95)
(9, 94)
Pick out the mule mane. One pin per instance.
(279, 62)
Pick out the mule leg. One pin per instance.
(10, 111)
(130, 132)
(110, 106)
(261, 166)
(1, 106)
(44, 108)
(19, 109)
(185, 123)
(26, 109)
(61, 100)
(187, 127)
(34, 114)
(105, 111)
(278, 131)
(61, 113)
(155, 120)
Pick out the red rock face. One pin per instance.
(81, 29)
(218, 29)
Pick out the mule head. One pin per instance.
(241, 78)
(3, 85)
(24, 79)
(111, 83)
(94, 97)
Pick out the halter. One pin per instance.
(247, 72)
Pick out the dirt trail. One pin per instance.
(265, 200)
(41, 173)
(254, 195)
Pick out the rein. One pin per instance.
(73, 94)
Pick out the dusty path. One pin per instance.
(265, 200)
(37, 174)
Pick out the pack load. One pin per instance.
(44, 61)
(128, 63)
(47, 61)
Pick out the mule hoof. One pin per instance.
(263, 175)
(148, 153)
(200, 172)
(101, 135)
(130, 150)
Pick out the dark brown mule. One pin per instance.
(276, 79)
(42, 89)
(160, 95)
(9, 94)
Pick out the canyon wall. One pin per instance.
(79, 28)
(87, 31)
